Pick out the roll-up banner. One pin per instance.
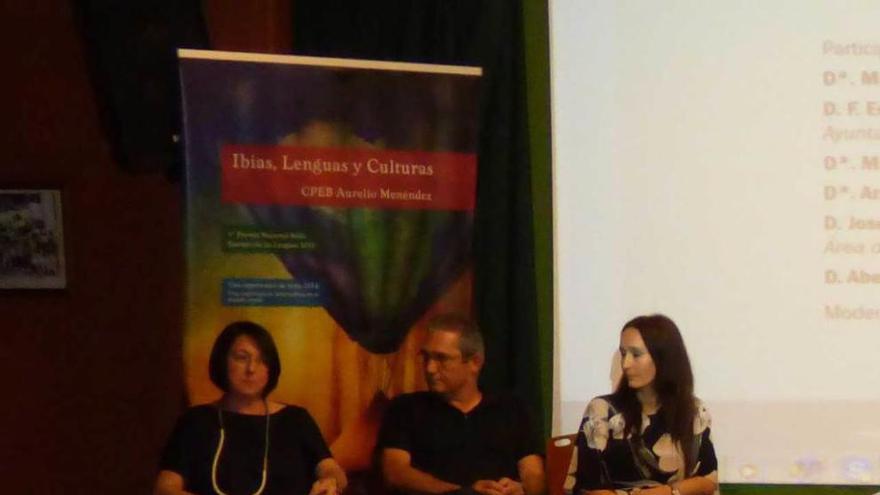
(330, 201)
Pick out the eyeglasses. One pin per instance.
(440, 358)
(246, 359)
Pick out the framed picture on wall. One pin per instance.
(31, 239)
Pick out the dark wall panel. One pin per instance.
(91, 374)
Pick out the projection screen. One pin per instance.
(719, 162)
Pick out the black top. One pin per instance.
(608, 460)
(485, 443)
(295, 448)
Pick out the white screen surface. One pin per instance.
(718, 162)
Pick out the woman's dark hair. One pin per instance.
(674, 384)
(217, 368)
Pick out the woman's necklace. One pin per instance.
(220, 449)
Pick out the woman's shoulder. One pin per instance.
(702, 418)
(296, 422)
(601, 422)
(199, 412)
(276, 407)
(197, 418)
(290, 412)
(700, 407)
(600, 407)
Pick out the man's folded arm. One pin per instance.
(398, 472)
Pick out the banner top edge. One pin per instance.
(343, 63)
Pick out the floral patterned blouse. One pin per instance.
(606, 460)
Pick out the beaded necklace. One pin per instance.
(220, 449)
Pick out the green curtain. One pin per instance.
(489, 34)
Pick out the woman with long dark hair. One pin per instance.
(651, 436)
